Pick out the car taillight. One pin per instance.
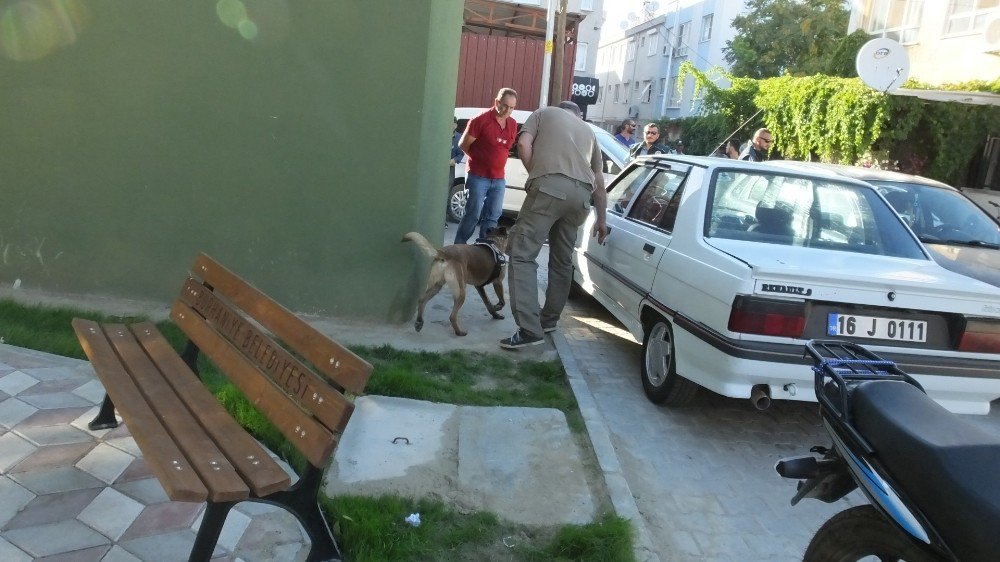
(981, 335)
(767, 317)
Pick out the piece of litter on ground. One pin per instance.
(413, 519)
(509, 542)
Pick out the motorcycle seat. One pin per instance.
(946, 465)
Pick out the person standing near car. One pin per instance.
(565, 170)
(625, 132)
(487, 141)
(756, 150)
(650, 143)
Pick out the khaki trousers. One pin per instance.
(554, 208)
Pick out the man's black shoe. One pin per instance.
(520, 339)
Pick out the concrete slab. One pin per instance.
(525, 465)
(521, 463)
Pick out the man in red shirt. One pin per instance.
(487, 140)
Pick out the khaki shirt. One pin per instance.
(563, 144)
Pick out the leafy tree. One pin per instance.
(776, 37)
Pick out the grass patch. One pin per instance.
(374, 528)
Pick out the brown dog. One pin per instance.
(461, 264)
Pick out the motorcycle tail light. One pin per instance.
(767, 317)
(981, 335)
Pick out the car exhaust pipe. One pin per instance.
(760, 396)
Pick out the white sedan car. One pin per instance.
(724, 269)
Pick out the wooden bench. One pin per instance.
(191, 444)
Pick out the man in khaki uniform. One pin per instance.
(564, 165)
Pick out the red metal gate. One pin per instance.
(488, 63)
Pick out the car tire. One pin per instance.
(660, 380)
(456, 202)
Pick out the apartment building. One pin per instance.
(638, 72)
(948, 41)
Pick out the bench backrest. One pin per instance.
(229, 320)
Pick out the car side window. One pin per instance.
(658, 202)
(625, 188)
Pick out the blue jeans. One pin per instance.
(483, 207)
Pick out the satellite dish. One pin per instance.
(651, 7)
(632, 17)
(623, 25)
(883, 64)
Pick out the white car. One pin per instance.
(614, 153)
(724, 269)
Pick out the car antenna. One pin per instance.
(738, 129)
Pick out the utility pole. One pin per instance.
(560, 52)
(543, 99)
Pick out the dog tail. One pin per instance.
(421, 242)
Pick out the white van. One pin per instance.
(615, 155)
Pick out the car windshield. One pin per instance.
(939, 215)
(802, 211)
(612, 148)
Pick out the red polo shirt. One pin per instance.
(488, 154)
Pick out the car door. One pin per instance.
(638, 244)
(592, 260)
(624, 267)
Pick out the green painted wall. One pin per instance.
(293, 140)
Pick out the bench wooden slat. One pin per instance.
(303, 385)
(314, 441)
(335, 361)
(252, 462)
(218, 474)
(175, 473)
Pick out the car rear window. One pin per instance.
(803, 211)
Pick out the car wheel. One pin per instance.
(659, 367)
(456, 202)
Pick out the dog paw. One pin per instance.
(498, 316)
(418, 325)
(458, 333)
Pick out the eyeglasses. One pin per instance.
(762, 139)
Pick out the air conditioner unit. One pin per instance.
(991, 36)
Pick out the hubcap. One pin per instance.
(658, 354)
(458, 200)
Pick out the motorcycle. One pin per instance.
(932, 478)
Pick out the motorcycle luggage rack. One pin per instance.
(845, 365)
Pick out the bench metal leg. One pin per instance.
(212, 522)
(190, 357)
(301, 501)
(105, 418)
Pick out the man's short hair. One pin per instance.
(571, 107)
(760, 131)
(506, 92)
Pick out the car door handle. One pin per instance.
(648, 248)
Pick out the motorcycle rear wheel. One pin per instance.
(862, 533)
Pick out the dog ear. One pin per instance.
(499, 231)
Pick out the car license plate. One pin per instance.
(876, 327)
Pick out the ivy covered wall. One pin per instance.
(843, 120)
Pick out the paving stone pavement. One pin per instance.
(702, 476)
(68, 493)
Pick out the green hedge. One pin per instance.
(842, 120)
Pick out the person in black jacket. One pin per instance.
(757, 149)
(650, 144)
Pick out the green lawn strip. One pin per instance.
(374, 528)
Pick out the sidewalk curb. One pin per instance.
(621, 495)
